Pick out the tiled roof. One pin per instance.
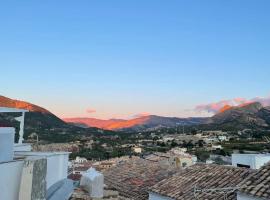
(109, 194)
(201, 176)
(75, 177)
(81, 168)
(133, 178)
(258, 184)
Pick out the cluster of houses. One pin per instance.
(175, 175)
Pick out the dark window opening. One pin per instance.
(241, 165)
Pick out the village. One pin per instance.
(177, 173)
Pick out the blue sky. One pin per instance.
(122, 58)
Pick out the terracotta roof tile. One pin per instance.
(133, 178)
(201, 176)
(257, 184)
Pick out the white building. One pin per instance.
(222, 138)
(26, 175)
(216, 147)
(80, 160)
(253, 161)
(137, 149)
(178, 150)
(57, 164)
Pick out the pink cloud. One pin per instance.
(90, 110)
(142, 114)
(217, 106)
(265, 101)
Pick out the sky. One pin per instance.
(118, 59)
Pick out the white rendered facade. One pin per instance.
(241, 196)
(253, 161)
(30, 175)
(57, 165)
(155, 196)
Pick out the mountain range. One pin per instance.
(137, 124)
(245, 116)
(252, 115)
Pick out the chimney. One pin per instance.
(93, 182)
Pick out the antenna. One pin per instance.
(225, 191)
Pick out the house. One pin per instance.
(105, 165)
(133, 178)
(137, 149)
(216, 147)
(256, 186)
(80, 169)
(30, 175)
(178, 150)
(200, 181)
(172, 159)
(80, 160)
(222, 138)
(253, 161)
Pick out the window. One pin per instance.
(241, 165)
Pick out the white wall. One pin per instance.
(57, 165)
(241, 196)
(243, 159)
(154, 196)
(261, 161)
(22, 147)
(10, 180)
(57, 168)
(255, 161)
(6, 144)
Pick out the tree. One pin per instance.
(193, 131)
(202, 155)
(174, 144)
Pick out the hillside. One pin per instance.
(252, 115)
(246, 116)
(41, 121)
(93, 122)
(38, 117)
(13, 103)
(137, 124)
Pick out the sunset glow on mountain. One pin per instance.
(111, 124)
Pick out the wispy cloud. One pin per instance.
(217, 106)
(90, 110)
(142, 114)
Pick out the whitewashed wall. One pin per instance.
(6, 144)
(22, 147)
(57, 165)
(10, 180)
(241, 196)
(255, 161)
(154, 196)
(57, 168)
